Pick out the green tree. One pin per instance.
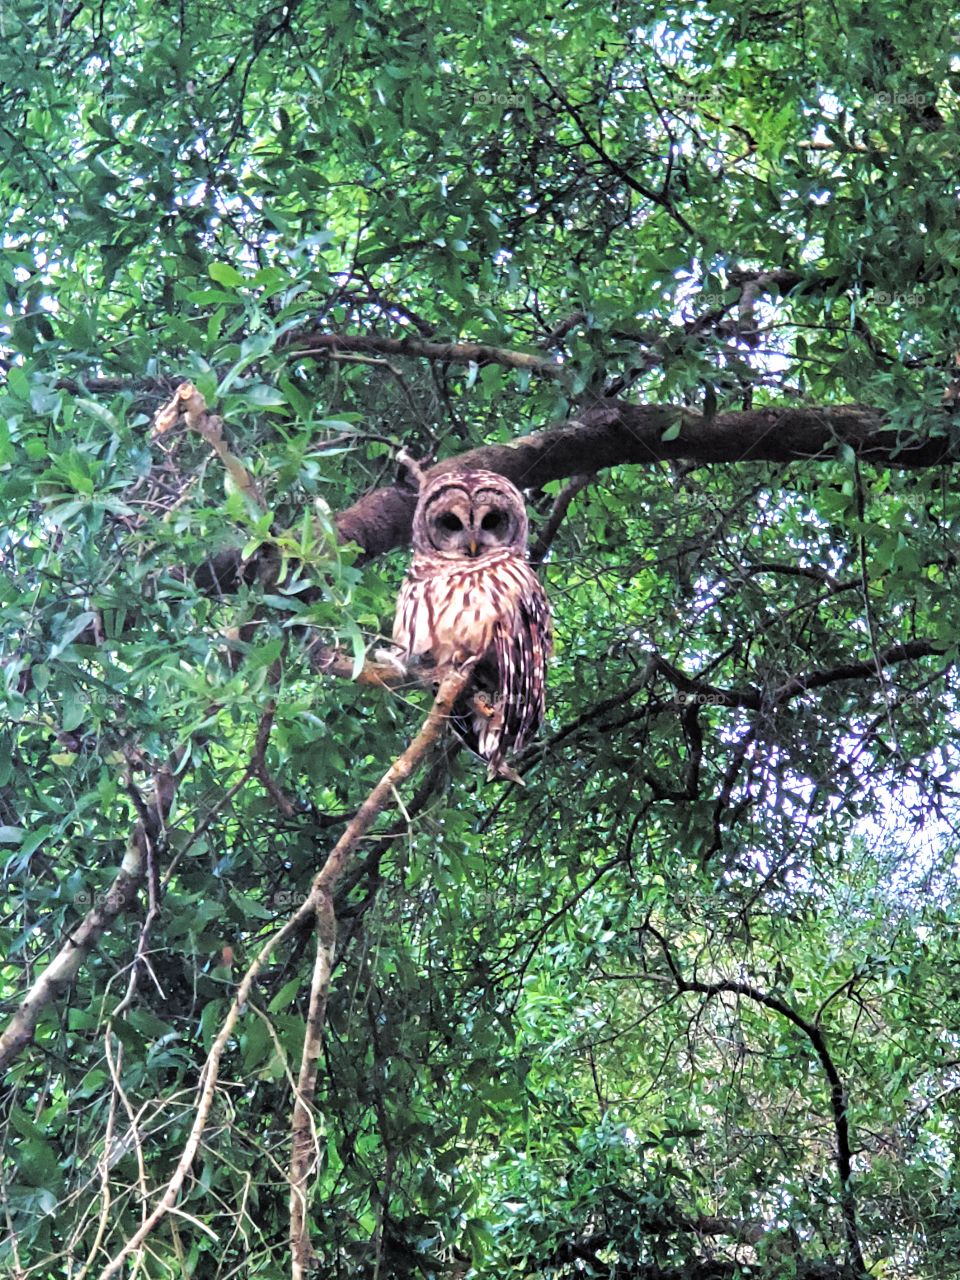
(685, 1007)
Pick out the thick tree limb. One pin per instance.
(618, 433)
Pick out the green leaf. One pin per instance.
(673, 431)
(224, 274)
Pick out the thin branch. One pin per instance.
(479, 353)
(65, 966)
(320, 905)
(658, 198)
(843, 1155)
(557, 515)
(755, 698)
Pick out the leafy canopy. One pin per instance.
(747, 779)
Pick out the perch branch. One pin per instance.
(316, 907)
(320, 904)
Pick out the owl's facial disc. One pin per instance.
(473, 519)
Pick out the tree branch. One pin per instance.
(320, 904)
(538, 551)
(838, 1097)
(317, 906)
(480, 353)
(121, 896)
(618, 433)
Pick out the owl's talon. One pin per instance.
(391, 658)
(483, 706)
(424, 669)
(505, 773)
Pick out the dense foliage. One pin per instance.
(685, 1007)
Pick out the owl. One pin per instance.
(471, 597)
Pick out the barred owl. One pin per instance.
(470, 595)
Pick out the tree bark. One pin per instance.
(618, 433)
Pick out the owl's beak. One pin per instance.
(473, 546)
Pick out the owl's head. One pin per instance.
(468, 514)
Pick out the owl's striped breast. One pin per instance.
(449, 609)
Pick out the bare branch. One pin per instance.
(838, 1098)
(480, 353)
(188, 402)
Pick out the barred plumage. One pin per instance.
(470, 594)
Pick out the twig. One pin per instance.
(188, 402)
(105, 1197)
(132, 1117)
(153, 901)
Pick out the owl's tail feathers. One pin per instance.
(497, 769)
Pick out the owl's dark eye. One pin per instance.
(492, 520)
(450, 522)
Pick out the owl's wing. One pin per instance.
(405, 619)
(522, 645)
(507, 628)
